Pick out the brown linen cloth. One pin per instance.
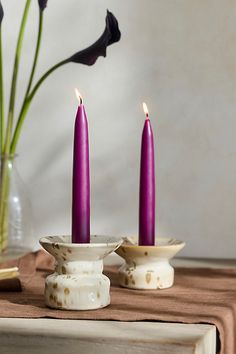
(198, 296)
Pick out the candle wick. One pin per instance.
(147, 116)
(80, 100)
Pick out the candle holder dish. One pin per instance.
(148, 267)
(78, 282)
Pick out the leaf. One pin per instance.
(111, 34)
(1, 12)
(42, 4)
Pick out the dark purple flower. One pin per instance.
(111, 34)
(42, 4)
(1, 12)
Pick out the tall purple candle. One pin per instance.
(147, 186)
(81, 179)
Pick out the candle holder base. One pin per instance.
(148, 267)
(78, 282)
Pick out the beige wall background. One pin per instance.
(177, 55)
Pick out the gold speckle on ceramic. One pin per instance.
(98, 295)
(54, 286)
(63, 269)
(51, 297)
(66, 291)
(145, 253)
(148, 277)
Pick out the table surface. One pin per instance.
(54, 336)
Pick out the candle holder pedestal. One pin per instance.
(148, 267)
(78, 282)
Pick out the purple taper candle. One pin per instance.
(147, 186)
(81, 179)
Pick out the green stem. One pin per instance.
(41, 80)
(1, 97)
(27, 102)
(36, 53)
(4, 207)
(10, 118)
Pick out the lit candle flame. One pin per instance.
(78, 95)
(145, 109)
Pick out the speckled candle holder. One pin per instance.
(148, 267)
(78, 282)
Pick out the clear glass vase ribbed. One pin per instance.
(15, 211)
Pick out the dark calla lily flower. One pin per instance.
(42, 4)
(111, 34)
(1, 12)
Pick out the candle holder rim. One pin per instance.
(111, 241)
(176, 243)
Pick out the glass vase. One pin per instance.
(15, 212)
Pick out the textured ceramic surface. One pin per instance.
(78, 282)
(148, 267)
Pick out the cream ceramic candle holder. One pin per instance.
(78, 282)
(148, 267)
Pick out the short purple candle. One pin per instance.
(81, 178)
(147, 186)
